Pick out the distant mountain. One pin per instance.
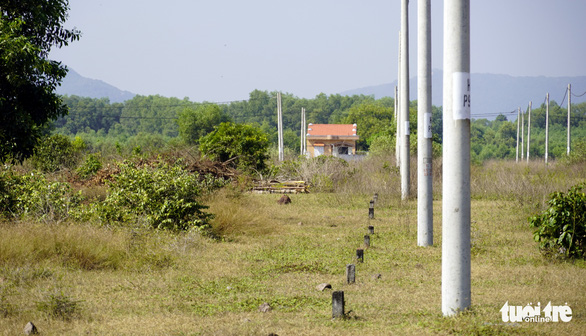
(493, 94)
(75, 84)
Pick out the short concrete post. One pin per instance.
(367, 240)
(350, 273)
(360, 255)
(371, 210)
(375, 197)
(370, 229)
(338, 304)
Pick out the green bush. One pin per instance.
(164, 196)
(56, 152)
(561, 229)
(244, 146)
(90, 166)
(33, 195)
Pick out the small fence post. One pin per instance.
(350, 273)
(338, 304)
(367, 240)
(371, 210)
(370, 229)
(360, 255)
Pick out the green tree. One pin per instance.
(372, 118)
(28, 32)
(244, 146)
(195, 123)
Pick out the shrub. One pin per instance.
(165, 196)
(244, 146)
(561, 229)
(56, 152)
(33, 195)
(90, 166)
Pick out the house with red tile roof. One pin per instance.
(331, 139)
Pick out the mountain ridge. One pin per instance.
(511, 92)
(492, 94)
(75, 84)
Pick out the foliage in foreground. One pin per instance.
(561, 229)
(160, 195)
(165, 196)
(32, 195)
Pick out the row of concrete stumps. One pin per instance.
(338, 303)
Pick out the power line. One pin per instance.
(564, 99)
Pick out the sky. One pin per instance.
(221, 50)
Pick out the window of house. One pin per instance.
(318, 151)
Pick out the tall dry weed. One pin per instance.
(233, 216)
(523, 184)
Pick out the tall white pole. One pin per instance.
(424, 155)
(404, 102)
(302, 133)
(280, 125)
(546, 127)
(522, 136)
(518, 125)
(528, 132)
(569, 111)
(456, 288)
(397, 136)
(398, 119)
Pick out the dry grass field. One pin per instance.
(83, 279)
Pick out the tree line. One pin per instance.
(155, 120)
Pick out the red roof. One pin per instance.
(331, 129)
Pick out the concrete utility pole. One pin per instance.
(280, 125)
(522, 136)
(303, 132)
(518, 124)
(397, 146)
(404, 102)
(398, 119)
(528, 132)
(569, 111)
(424, 167)
(456, 288)
(546, 126)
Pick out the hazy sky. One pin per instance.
(221, 50)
